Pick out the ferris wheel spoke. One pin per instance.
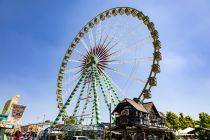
(102, 89)
(84, 44)
(116, 26)
(96, 100)
(80, 96)
(98, 30)
(72, 70)
(141, 43)
(131, 31)
(74, 78)
(128, 77)
(93, 113)
(79, 52)
(63, 109)
(103, 92)
(117, 87)
(109, 90)
(89, 91)
(74, 60)
(132, 61)
(91, 40)
(110, 85)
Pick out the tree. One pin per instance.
(204, 120)
(186, 121)
(189, 122)
(182, 121)
(172, 121)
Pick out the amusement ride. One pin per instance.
(115, 55)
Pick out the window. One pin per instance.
(125, 112)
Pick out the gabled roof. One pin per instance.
(148, 106)
(137, 106)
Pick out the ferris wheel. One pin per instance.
(115, 55)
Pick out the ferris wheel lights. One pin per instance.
(96, 20)
(152, 81)
(157, 44)
(102, 17)
(158, 56)
(156, 68)
(81, 34)
(127, 11)
(86, 29)
(134, 13)
(114, 12)
(140, 15)
(121, 11)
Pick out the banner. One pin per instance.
(17, 111)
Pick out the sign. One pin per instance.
(9, 105)
(6, 107)
(17, 111)
(3, 118)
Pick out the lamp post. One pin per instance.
(110, 115)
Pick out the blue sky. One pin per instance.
(34, 36)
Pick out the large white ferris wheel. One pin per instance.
(115, 55)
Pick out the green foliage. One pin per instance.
(179, 122)
(204, 120)
(202, 134)
(186, 121)
(172, 121)
(189, 122)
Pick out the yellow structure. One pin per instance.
(9, 104)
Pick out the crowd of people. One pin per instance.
(19, 136)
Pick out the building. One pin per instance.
(140, 120)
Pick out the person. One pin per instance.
(56, 137)
(5, 137)
(17, 135)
